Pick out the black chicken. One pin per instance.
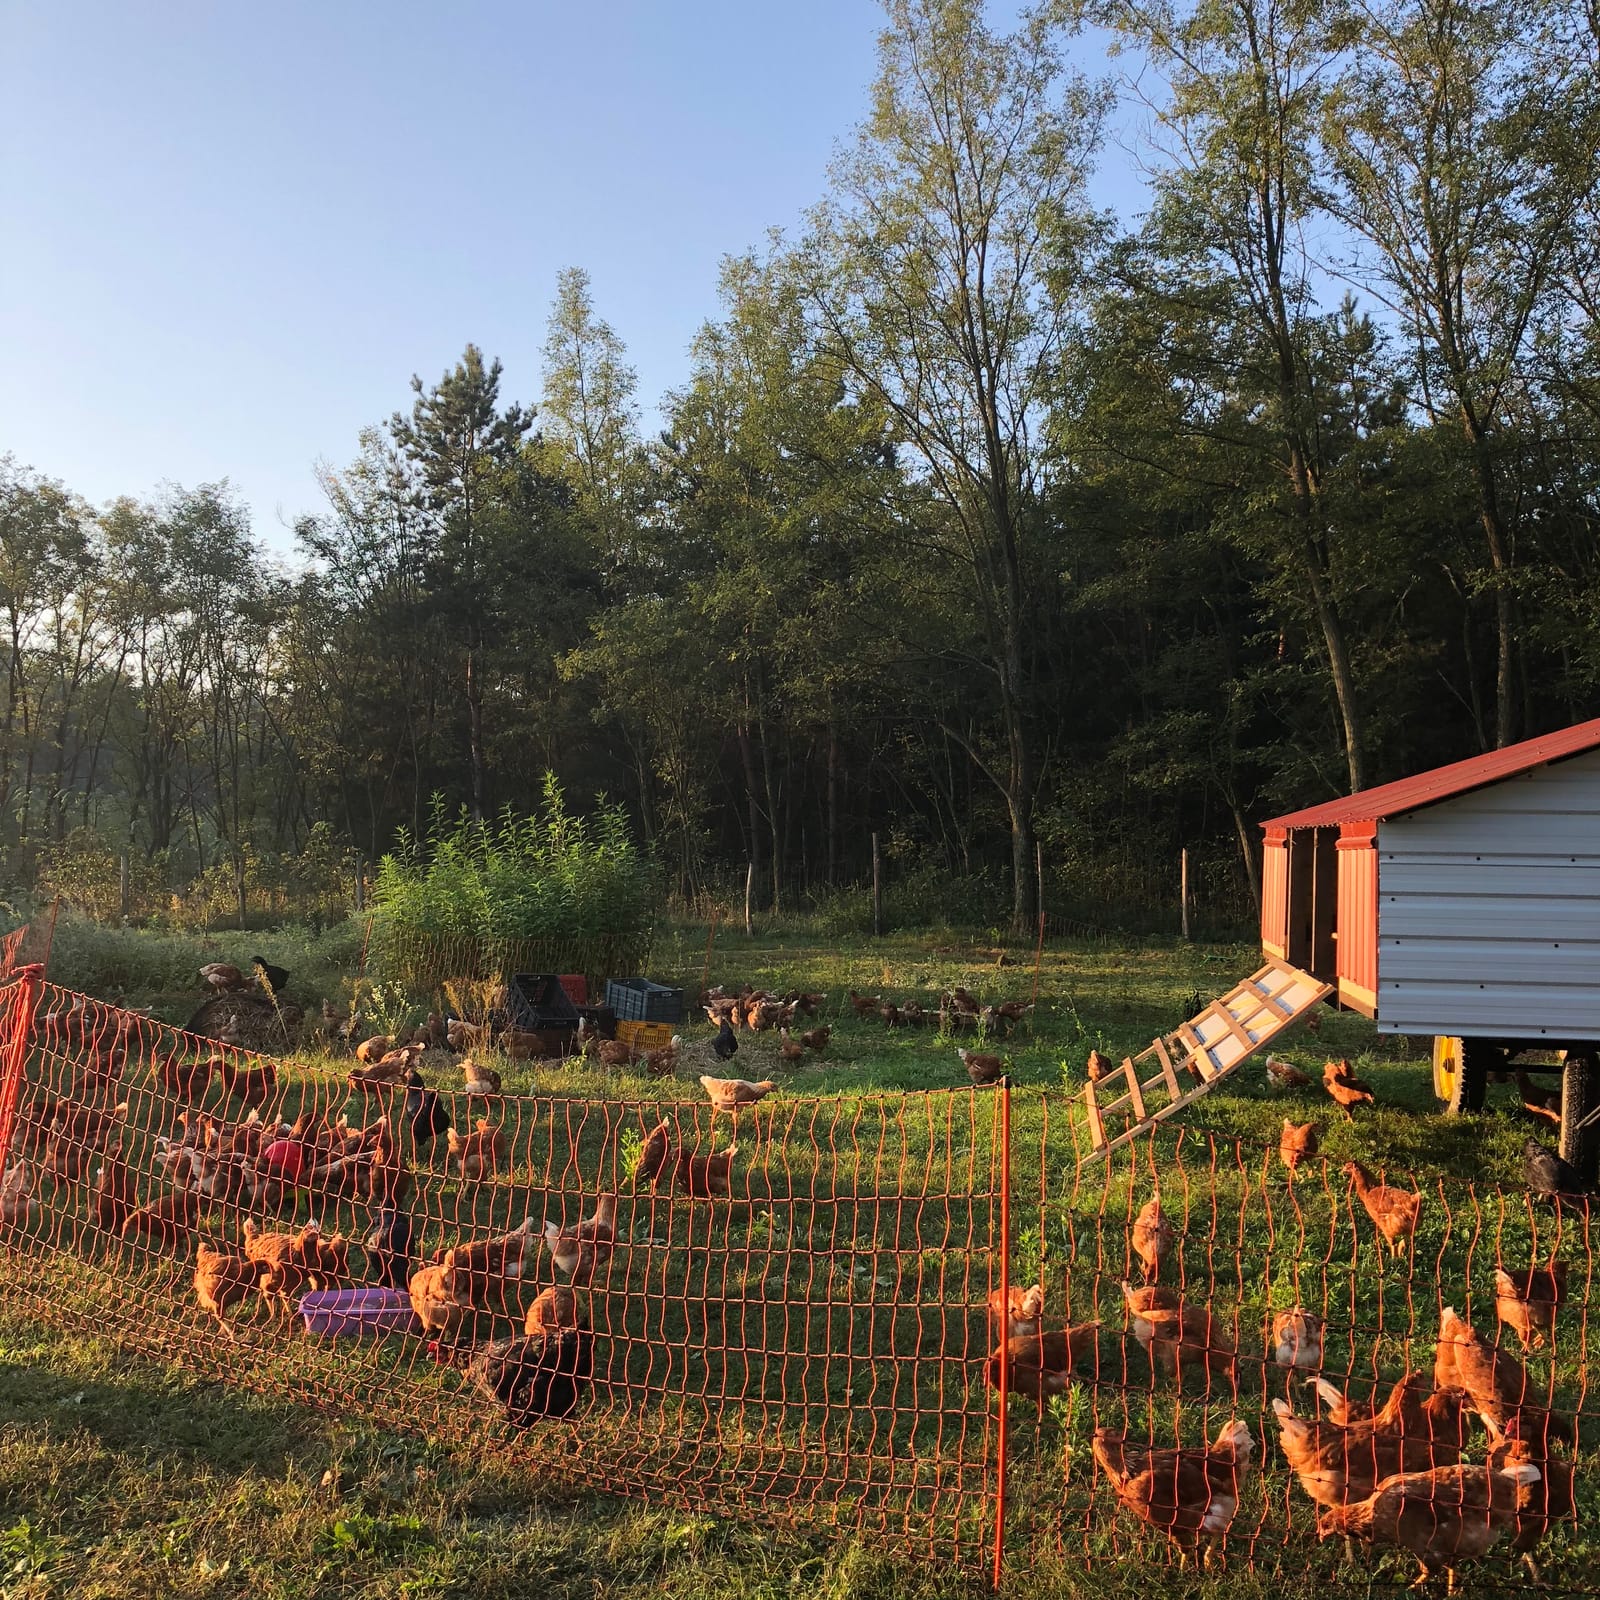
(724, 1045)
(388, 1247)
(273, 979)
(545, 1376)
(425, 1112)
(1549, 1174)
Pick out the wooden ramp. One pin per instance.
(1187, 1063)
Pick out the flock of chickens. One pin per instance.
(237, 1152)
(1390, 1473)
(229, 1148)
(1546, 1172)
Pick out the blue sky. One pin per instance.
(233, 232)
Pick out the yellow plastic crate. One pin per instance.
(645, 1035)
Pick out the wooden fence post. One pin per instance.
(1038, 875)
(1183, 888)
(122, 886)
(711, 934)
(50, 937)
(24, 1002)
(749, 894)
(877, 891)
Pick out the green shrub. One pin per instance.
(85, 869)
(550, 892)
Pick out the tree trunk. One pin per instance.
(1494, 534)
(1019, 774)
(1303, 487)
(1344, 688)
(752, 799)
(1303, 481)
(1024, 903)
(1247, 850)
(833, 805)
(475, 733)
(773, 829)
(1019, 804)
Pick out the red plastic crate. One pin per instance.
(577, 987)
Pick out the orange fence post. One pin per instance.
(24, 1002)
(1004, 1364)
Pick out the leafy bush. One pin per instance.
(86, 872)
(85, 869)
(552, 892)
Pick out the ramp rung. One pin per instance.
(1097, 1131)
(1226, 1017)
(1271, 1001)
(1160, 1048)
(1135, 1094)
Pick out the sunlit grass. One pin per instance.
(819, 1339)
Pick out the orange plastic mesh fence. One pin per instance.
(791, 1312)
(801, 1325)
(27, 943)
(1256, 1287)
(9, 946)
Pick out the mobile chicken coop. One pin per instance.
(1462, 903)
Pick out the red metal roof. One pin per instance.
(1442, 783)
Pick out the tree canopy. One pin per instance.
(982, 522)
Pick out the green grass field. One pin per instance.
(819, 1284)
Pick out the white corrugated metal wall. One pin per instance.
(1489, 910)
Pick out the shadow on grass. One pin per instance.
(134, 1411)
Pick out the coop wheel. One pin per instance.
(1580, 1094)
(1460, 1074)
(1446, 1066)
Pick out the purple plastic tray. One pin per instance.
(357, 1313)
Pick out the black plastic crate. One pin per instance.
(639, 1000)
(536, 1000)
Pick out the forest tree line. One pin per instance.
(985, 521)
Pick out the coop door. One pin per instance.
(1314, 901)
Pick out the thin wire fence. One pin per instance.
(782, 1308)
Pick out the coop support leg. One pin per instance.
(1580, 1095)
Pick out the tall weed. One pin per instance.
(552, 891)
